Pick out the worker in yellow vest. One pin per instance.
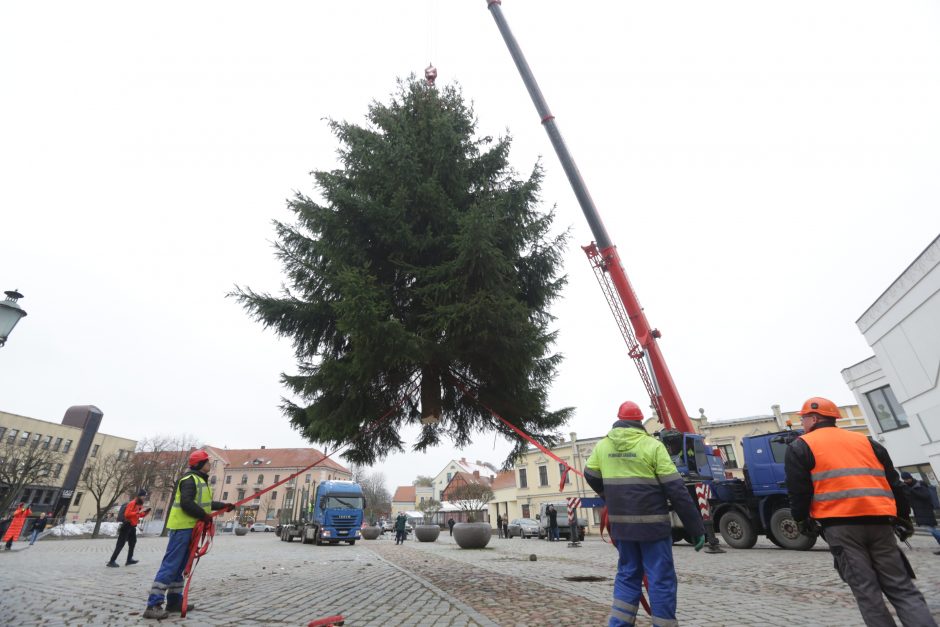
(192, 502)
(845, 484)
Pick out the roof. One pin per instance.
(484, 468)
(506, 479)
(274, 458)
(404, 494)
(471, 478)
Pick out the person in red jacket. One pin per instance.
(16, 525)
(133, 512)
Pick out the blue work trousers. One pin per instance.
(653, 559)
(933, 531)
(169, 580)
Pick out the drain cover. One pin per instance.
(585, 578)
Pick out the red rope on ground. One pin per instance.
(204, 531)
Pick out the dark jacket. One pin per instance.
(552, 514)
(400, 522)
(188, 495)
(799, 464)
(919, 495)
(40, 523)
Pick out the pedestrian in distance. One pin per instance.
(918, 493)
(39, 525)
(552, 523)
(129, 516)
(192, 502)
(499, 525)
(401, 529)
(450, 525)
(16, 524)
(632, 471)
(844, 484)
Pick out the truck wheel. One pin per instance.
(773, 538)
(289, 538)
(350, 542)
(787, 533)
(737, 530)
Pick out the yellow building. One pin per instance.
(65, 450)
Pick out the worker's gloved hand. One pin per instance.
(229, 507)
(207, 518)
(808, 527)
(904, 528)
(699, 543)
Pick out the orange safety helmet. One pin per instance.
(629, 411)
(197, 457)
(821, 407)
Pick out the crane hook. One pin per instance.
(430, 74)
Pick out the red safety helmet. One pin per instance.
(629, 411)
(197, 457)
(821, 407)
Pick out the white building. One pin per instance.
(898, 388)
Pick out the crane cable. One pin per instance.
(204, 531)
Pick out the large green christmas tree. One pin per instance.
(426, 261)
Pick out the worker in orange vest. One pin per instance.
(16, 525)
(843, 484)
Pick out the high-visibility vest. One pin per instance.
(848, 480)
(179, 519)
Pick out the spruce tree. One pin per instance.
(426, 259)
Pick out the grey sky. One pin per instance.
(766, 169)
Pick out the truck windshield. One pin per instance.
(343, 502)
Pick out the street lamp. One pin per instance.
(10, 314)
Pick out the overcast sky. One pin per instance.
(766, 169)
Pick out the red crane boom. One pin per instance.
(640, 337)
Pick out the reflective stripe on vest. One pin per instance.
(848, 479)
(179, 519)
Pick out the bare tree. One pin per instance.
(378, 498)
(107, 479)
(162, 460)
(429, 508)
(471, 498)
(22, 464)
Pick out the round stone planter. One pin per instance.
(472, 535)
(371, 533)
(241, 531)
(427, 533)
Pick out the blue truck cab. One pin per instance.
(758, 504)
(335, 514)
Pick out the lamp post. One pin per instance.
(10, 314)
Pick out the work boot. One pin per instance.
(112, 564)
(936, 552)
(130, 561)
(178, 607)
(156, 612)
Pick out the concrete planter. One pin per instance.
(472, 535)
(427, 533)
(241, 531)
(371, 533)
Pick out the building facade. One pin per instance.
(898, 388)
(65, 451)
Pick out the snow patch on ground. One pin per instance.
(85, 529)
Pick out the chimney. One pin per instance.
(463, 460)
(781, 421)
(479, 463)
(262, 447)
(476, 474)
(574, 436)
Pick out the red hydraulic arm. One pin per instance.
(602, 253)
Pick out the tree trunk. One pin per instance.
(430, 395)
(98, 516)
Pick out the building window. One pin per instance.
(57, 444)
(11, 438)
(57, 471)
(274, 495)
(543, 476)
(24, 438)
(78, 498)
(888, 410)
(228, 479)
(94, 450)
(36, 438)
(212, 480)
(260, 479)
(525, 511)
(307, 479)
(2, 431)
(47, 496)
(449, 477)
(277, 478)
(244, 479)
(46, 442)
(67, 447)
(727, 454)
(523, 481)
(225, 496)
(561, 471)
(241, 495)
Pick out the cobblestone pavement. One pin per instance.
(257, 580)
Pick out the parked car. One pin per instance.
(524, 528)
(260, 527)
(227, 527)
(389, 525)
